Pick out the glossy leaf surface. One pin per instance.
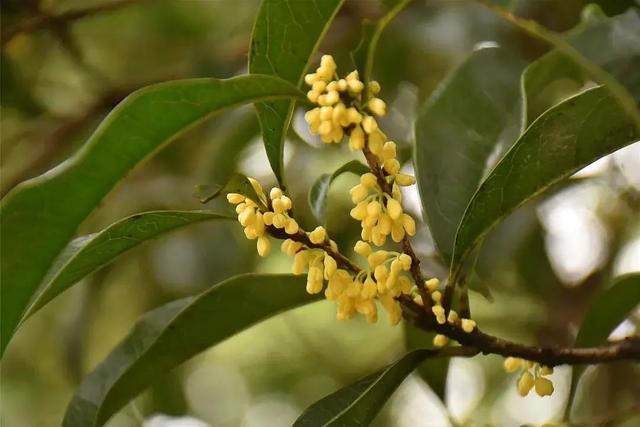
(175, 332)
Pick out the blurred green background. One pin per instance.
(544, 265)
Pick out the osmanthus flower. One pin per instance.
(347, 108)
(254, 220)
(532, 376)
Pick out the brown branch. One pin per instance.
(47, 21)
(303, 238)
(628, 349)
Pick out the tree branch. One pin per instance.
(628, 349)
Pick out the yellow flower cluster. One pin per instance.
(342, 109)
(467, 325)
(353, 294)
(254, 220)
(380, 214)
(532, 376)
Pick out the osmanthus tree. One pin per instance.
(488, 105)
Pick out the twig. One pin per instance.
(47, 21)
(628, 349)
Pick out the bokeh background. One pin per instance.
(543, 266)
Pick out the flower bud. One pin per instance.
(389, 150)
(356, 139)
(512, 364)
(291, 226)
(404, 180)
(358, 193)
(408, 224)
(318, 235)
(235, 198)
(405, 261)
(440, 340)
(354, 116)
(376, 142)
(355, 86)
(310, 79)
(544, 387)
(452, 317)
(275, 193)
(362, 248)
(330, 266)
(525, 383)
(436, 296)
(374, 209)
(377, 106)
(359, 212)
(264, 246)
(394, 209)
(369, 125)
(432, 284)
(368, 180)
(438, 311)
(468, 325)
(391, 166)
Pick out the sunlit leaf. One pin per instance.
(359, 403)
(87, 254)
(320, 189)
(175, 332)
(39, 217)
(465, 125)
(285, 37)
(612, 43)
(563, 140)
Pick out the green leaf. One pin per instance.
(285, 37)
(611, 43)
(39, 217)
(238, 183)
(175, 332)
(435, 371)
(371, 31)
(609, 310)
(359, 403)
(320, 189)
(87, 254)
(470, 119)
(618, 92)
(563, 140)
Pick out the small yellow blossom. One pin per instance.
(468, 325)
(543, 386)
(525, 383)
(440, 340)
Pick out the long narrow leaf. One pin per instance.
(87, 254)
(564, 139)
(173, 333)
(470, 119)
(39, 217)
(285, 37)
(359, 403)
